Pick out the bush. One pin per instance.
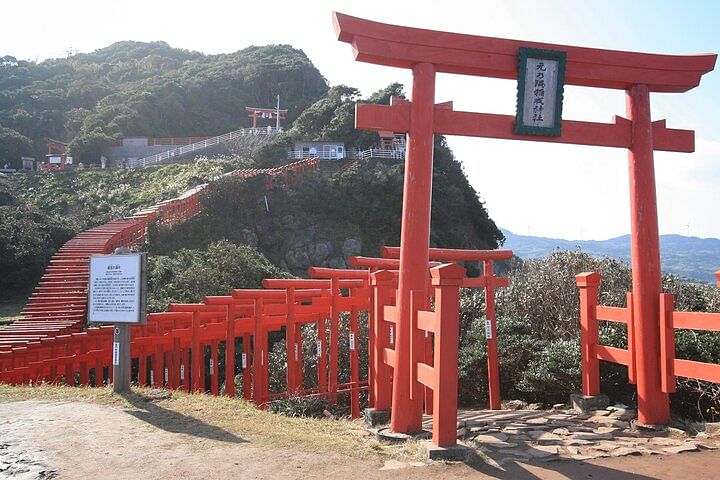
(189, 275)
(538, 335)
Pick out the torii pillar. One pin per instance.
(426, 52)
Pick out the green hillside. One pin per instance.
(144, 89)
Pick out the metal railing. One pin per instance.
(176, 153)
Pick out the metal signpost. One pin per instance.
(117, 294)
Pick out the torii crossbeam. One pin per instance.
(428, 52)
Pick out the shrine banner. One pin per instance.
(541, 79)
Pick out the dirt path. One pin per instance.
(68, 440)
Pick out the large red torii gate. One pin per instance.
(427, 52)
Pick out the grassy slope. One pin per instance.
(88, 198)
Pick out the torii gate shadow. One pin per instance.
(174, 422)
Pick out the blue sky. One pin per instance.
(572, 192)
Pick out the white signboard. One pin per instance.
(488, 329)
(116, 289)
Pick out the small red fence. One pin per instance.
(181, 348)
(592, 351)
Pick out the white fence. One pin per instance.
(175, 153)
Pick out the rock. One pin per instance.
(321, 250)
(545, 437)
(535, 406)
(502, 445)
(665, 442)
(605, 430)
(605, 446)
(490, 438)
(514, 405)
(617, 406)
(249, 237)
(558, 406)
(561, 431)
(543, 451)
(536, 421)
(624, 451)
(575, 441)
(573, 450)
(688, 447)
(462, 432)
(352, 246)
(677, 433)
(592, 436)
(712, 429)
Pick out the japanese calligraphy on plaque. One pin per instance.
(541, 78)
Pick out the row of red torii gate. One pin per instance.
(412, 293)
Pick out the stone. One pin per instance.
(545, 437)
(624, 451)
(608, 422)
(502, 445)
(374, 417)
(587, 403)
(455, 453)
(590, 436)
(575, 441)
(490, 438)
(573, 450)
(677, 433)
(688, 447)
(514, 405)
(249, 237)
(561, 431)
(665, 442)
(605, 446)
(537, 421)
(352, 246)
(558, 406)
(605, 430)
(535, 406)
(712, 428)
(543, 451)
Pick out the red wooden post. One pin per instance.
(229, 352)
(380, 375)
(717, 276)
(158, 362)
(176, 361)
(414, 241)
(214, 383)
(653, 404)
(321, 360)
(198, 357)
(258, 390)
(291, 345)
(447, 279)
(354, 365)
(667, 343)
(588, 284)
(334, 338)
(246, 370)
(631, 335)
(142, 368)
(299, 370)
(491, 328)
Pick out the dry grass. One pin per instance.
(238, 417)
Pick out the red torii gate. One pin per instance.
(427, 52)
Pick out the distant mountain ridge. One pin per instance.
(692, 258)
